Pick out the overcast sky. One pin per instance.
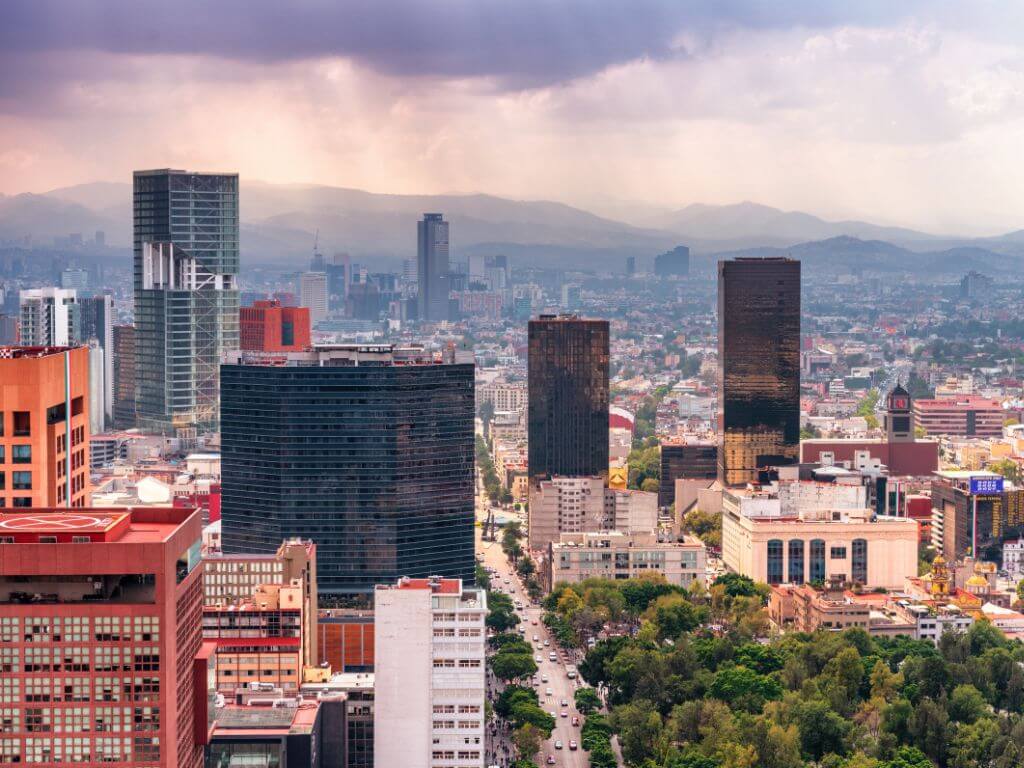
(898, 112)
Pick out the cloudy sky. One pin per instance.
(907, 112)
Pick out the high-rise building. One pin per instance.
(366, 450)
(432, 267)
(430, 674)
(630, 266)
(685, 460)
(50, 317)
(124, 376)
(97, 322)
(568, 397)
(570, 297)
(74, 278)
(266, 326)
(674, 263)
(313, 295)
(100, 638)
(758, 366)
(40, 389)
(186, 296)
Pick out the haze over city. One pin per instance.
(897, 113)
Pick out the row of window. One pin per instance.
(795, 574)
(100, 749)
(79, 689)
(450, 632)
(463, 709)
(56, 629)
(451, 663)
(79, 719)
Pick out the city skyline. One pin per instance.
(905, 115)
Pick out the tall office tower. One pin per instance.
(74, 278)
(338, 269)
(104, 609)
(366, 450)
(630, 266)
(674, 263)
(50, 317)
(432, 267)
(430, 674)
(758, 366)
(186, 297)
(124, 376)
(568, 400)
(97, 388)
(571, 297)
(39, 388)
(266, 326)
(313, 295)
(97, 313)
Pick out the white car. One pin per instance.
(548, 692)
(558, 744)
(552, 656)
(543, 678)
(538, 659)
(536, 639)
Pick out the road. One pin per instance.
(562, 688)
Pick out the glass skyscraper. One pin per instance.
(367, 450)
(758, 366)
(432, 263)
(186, 295)
(568, 397)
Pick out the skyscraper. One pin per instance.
(568, 399)
(50, 317)
(313, 295)
(97, 322)
(366, 450)
(124, 376)
(266, 326)
(432, 267)
(758, 366)
(674, 263)
(186, 297)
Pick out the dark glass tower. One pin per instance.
(186, 297)
(758, 366)
(366, 450)
(568, 397)
(432, 263)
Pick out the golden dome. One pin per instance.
(977, 580)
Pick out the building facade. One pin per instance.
(44, 407)
(432, 267)
(685, 460)
(186, 296)
(266, 326)
(50, 317)
(962, 416)
(758, 366)
(100, 638)
(674, 263)
(430, 674)
(366, 450)
(124, 376)
(568, 397)
(576, 557)
(313, 295)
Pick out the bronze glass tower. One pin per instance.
(758, 366)
(568, 397)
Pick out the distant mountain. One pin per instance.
(748, 221)
(879, 256)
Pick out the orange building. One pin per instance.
(345, 639)
(266, 326)
(35, 404)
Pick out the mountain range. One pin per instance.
(280, 222)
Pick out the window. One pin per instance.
(817, 561)
(22, 424)
(838, 553)
(47, 539)
(77, 406)
(21, 454)
(21, 481)
(796, 561)
(859, 569)
(23, 502)
(775, 561)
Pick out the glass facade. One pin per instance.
(796, 561)
(568, 397)
(817, 561)
(374, 462)
(759, 366)
(186, 298)
(432, 267)
(775, 561)
(859, 564)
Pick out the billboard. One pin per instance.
(986, 485)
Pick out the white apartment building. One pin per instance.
(1013, 558)
(49, 317)
(615, 555)
(313, 294)
(505, 396)
(430, 673)
(583, 504)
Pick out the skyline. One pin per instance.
(907, 116)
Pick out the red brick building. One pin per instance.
(100, 644)
(917, 458)
(267, 326)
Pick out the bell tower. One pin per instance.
(899, 416)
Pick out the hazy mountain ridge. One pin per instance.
(280, 221)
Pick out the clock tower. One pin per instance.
(899, 416)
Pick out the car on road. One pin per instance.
(575, 721)
(563, 703)
(538, 659)
(543, 678)
(563, 713)
(550, 760)
(552, 656)
(535, 638)
(558, 744)
(535, 681)
(511, 590)
(572, 744)
(548, 692)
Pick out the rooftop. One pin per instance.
(17, 353)
(347, 355)
(97, 524)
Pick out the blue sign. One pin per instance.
(986, 485)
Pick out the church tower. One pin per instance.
(899, 416)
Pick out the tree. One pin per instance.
(1008, 468)
(650, 485)
(512, 695)
(822, 731)
(587, 700)
(512, 666)
(524, 712)
(640, 730)
(966, 704)
(707, 526)
(928, 727)
(527, 739)
(737, 585)
(909, 757)
(743, 688)
(525, 567)
(674, 614)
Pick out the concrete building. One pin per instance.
(50, 317)
(313, 295)
(433, 268)
(963, 416)
(266, 326)
(289, 735)
(430, 674)
(100, 640)
(816, 545)
(124, 376)
(958, 515)
(504, 395)
(614, 555)
(44, 402)
(685, 460)
(583, 504)
(1013, 558)
(808, 608)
